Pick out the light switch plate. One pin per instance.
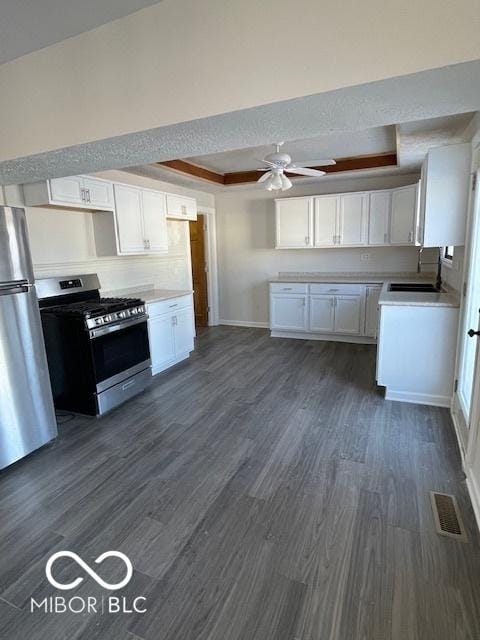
(365, 257)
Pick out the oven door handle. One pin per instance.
(102, 331)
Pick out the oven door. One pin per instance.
(119, 351)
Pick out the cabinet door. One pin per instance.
(322, 313)
(98, 193)
(183, 330)
(67, 190)
(155, 221)
(128, 215)
(372, 294)
(162, 342)
(347, 314)
(352, 219)
(288, 312)
(379, 217)
(403, 216)
(294, 223)
(181, 207)
(325, 223)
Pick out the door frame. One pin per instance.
(212, 263)
(473, 219)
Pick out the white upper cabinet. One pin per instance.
(154, 221)
(140, 220)
(294, 223)
(444, 196)
(81, 192)
(67, 190)
(181, 207)
(352, 219)
(403, 215)
(357, 219)
(379, 217)
(325, 220)
(98, 193)
(128, 216)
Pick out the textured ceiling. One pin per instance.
(305, 152)
(447, 91)
(29, 25)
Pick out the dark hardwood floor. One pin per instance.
(263, 490)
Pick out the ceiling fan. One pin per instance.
(278, 163)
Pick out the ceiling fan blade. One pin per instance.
(322, 162)
(303, 171)
(265, 176)
(267, 162)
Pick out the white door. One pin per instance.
(352, 219)
(321, 313)
(99, 193)
(162, 343)
(294, 223)
(379, 217)
(183, 331)
(128, 215)
(325, 222)
(288, 312)
(347, 314)
(403, 216)
(155, 221)
(67, 190)
(372, 294)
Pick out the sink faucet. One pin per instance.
(438, 263)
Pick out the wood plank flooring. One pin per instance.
(263, 490)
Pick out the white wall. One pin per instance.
(183, 59)
(62, 243)
(247, 258)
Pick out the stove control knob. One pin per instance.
(133, 311)
(99, 321)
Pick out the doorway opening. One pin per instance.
(199, 270)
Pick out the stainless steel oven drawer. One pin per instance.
(119, 393)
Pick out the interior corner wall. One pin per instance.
(247, 257)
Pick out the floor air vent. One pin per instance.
(448, 520)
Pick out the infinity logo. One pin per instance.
(71, 585)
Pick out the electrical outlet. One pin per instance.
(365, 257)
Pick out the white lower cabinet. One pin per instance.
(288, 312)
(372, 294)
(347, 314)
(171, 330)
(324, 310)
(322, 314)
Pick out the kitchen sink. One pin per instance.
(414, 287)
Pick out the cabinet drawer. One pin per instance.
(333, 288)
(168, 306)
(288, 287)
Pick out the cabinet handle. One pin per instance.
(287, 289)
(410, 236)
(82, 194)
(88, 195)
(334, 239)
(385, 238)
(307, 240)
(334, 290)
(173, 305)
(184, 210)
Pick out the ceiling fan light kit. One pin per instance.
(278, 163)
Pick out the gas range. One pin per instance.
(101, 311)
(97, 348)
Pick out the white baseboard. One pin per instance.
(244, 323)
(474, 492)
(164, 367)
(418, 398)
(458, 433)
(329, 337)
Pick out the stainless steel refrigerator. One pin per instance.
(27, 415)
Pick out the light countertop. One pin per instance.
(148, 294)
(347, 277)
(447, 298)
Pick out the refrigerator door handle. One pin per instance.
(11, 289)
